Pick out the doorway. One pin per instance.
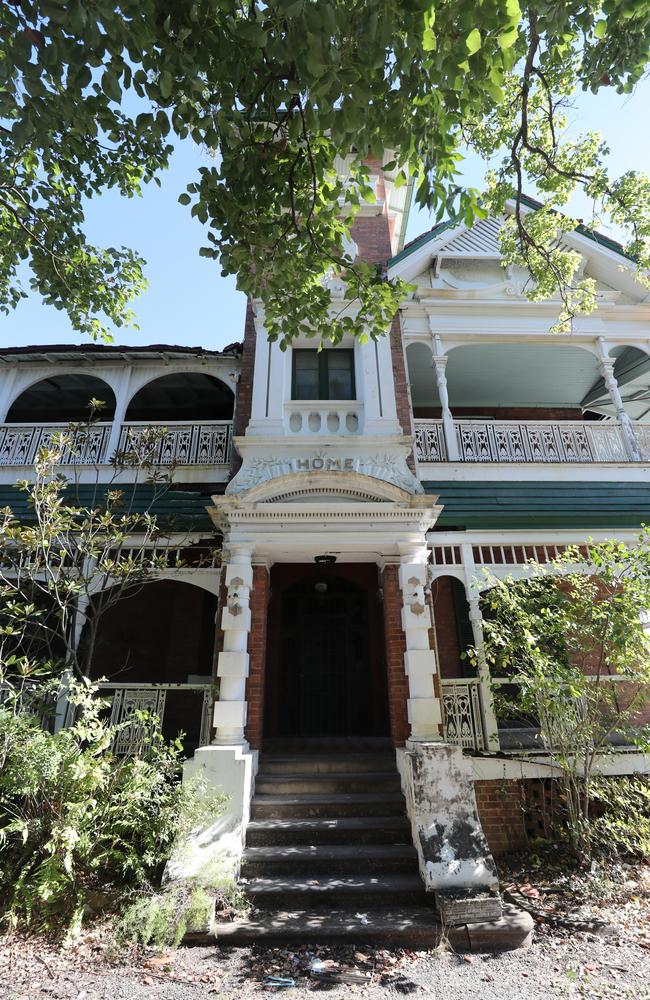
(325, 666)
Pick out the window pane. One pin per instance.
(340, 374)
(305, 375)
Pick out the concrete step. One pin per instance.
(298, 806)
(358, 891)
(408, 926)
(322, 784)
(338, 763)
(291, 861)
(413, 927)
(336, 830)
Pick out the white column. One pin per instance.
(64, 712)
(439, 364)
(122, 399)
(607, 371)
(7, 384)
(490, 726)
(424, 709)
(232, 664)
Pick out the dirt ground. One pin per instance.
(610, 960)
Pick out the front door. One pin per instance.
(325, 662)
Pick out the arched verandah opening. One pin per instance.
(62, 399)
(182, 396)
(154, 648)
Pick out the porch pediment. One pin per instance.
(331, 487)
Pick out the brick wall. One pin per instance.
(502, 813)
(503, 412)
(259, 601)
(444, 616)
(395, 649)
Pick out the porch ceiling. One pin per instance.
(527, 375)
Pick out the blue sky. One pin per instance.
(189, 303)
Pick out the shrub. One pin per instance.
(185, 907)
(623, 823)
(80, 826)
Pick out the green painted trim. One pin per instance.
(487, 505)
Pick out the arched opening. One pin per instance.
(325, 671)
(183, 396)
(453, 628)
(153, 638)
(62, 399)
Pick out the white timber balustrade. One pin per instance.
(20, 443)
(232, 664)
(308, 417)
(424, 710)
(565, 441)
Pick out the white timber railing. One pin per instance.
(20, 443)
(333, 417)
(127, 701)
(461, 712)
(528, 441)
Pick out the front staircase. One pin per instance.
(329, 855)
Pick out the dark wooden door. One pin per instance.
(325, 665)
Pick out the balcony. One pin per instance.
(334, 418)
(205, 443)
(564, 441)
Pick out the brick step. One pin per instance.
(286, 806)
(330, 859)
(413, 927)
(328, 763)
(322, 784)
(358, 892)
(335, 830)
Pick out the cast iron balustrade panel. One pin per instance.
(461, 708)
(430, 441)
(568, 441)
(183, 444)
(20, 444)
(126, 700)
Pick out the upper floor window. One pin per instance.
(327, 374)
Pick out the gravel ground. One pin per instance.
(557, 965)
(613, 964)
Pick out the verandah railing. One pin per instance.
(528, 441)
(206, 443)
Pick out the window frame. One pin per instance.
(323, 372)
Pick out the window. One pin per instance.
(327, 374)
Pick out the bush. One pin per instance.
(189, 907)
(623, 820)
(79, 826)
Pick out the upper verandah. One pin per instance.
(188, 391)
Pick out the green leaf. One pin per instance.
(600, 29)
(429, 41)
(473, 41)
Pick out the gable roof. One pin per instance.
(482, 239)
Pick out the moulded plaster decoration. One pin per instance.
(388, 467)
